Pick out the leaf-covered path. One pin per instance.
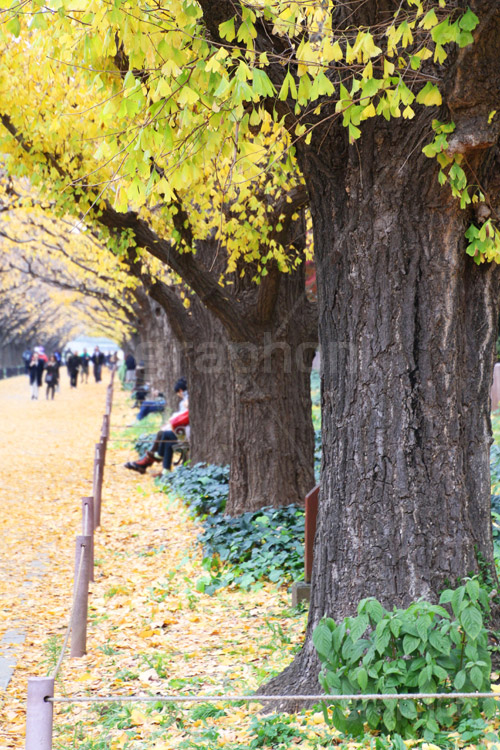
(150, 629)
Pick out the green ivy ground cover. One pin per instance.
(268, 543)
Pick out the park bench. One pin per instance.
(182, 447)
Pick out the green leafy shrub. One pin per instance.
(268, 543)
(421, 649)
(274, 731)
(204, 487)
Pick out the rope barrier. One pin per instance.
(39, 710)
(70, 624)
(264, 698)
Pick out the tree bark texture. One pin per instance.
(272, 457)
(270, 466)
(407, 331)
(249, 375)
(202, 345)
(209, 381)
(157, 347)
(407, 328)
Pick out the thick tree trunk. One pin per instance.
(204, 357)
(273, 440)
(209, 382)
(407, 334)
(268, 314)
(272, 456)
(158, 349)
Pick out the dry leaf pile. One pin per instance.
(150, 631)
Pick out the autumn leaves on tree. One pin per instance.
(208, 136)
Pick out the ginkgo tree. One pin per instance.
(57, 280)
(28, 317)
(232, 230)
(390, 111)
(65, 263)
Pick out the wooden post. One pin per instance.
(105, 427)
(80, 596)
(104, 444)
(97, 485)
(310, 531)
(39, 713)
(88, 529)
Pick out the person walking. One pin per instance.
(33, 368)
(73, 363)
(84, 364)
(130, 367)
(51, 376)
(26, 355)
(58, 359)
(42, 362)
(98, 361)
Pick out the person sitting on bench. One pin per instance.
(166, 439)
(151, 406)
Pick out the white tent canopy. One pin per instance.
(90, 342)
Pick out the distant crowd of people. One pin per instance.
(39, 366)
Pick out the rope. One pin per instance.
(70, 624)
(265, 698)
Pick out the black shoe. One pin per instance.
(135, 467)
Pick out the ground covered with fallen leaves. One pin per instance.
(150, 630)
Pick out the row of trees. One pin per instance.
(54, 280)
(197, 138)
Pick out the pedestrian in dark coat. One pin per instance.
(98, 361)
(33, 370)
(51, 376)
(130, 367)
(73, 363)
(42, 361)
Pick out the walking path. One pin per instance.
(149, 627)
(42, 473)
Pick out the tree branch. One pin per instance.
(213, 296)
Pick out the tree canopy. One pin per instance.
(56, 274)
(137, 106)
